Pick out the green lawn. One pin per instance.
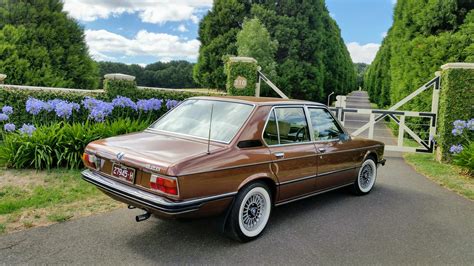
(450, 176)
(31, 198)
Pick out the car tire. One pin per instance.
(366, 177)
(250, 212)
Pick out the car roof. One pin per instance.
(257, 100)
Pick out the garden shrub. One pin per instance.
(456, 100)
(115, 87)
(60, 144)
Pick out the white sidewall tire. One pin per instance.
(265, 213)
(374, 177)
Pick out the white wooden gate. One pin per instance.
(377, 115)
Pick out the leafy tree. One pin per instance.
(424, 36)
(311, 58)
(360, 69)
(41, 45)
(174, 74)
(254, 41)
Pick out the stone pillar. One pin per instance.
(120, 84)
(241, 76)
(2, 78)
(456, 103)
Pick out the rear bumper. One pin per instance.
(146, 200)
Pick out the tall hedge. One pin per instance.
(456, 103)
(425, 35)
(41, 45)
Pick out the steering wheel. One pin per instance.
(301, 130)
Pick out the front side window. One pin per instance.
(288, 124)
(193, 117)
(324, 125)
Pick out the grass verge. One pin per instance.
(30, 198)
(450, 176)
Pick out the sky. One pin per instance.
(147, 31)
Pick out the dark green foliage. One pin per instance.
(254, 41)
(311, 58)
(218, 35)
(466, 158)
(243, 69)
(114, 88)
(360, 69)
(60, 144)
(456, 100)
(175, 74)
(424, 36)
(41, 45)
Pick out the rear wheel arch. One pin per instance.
(271, 184)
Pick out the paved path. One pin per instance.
(406, 219)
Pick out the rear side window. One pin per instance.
(286, 125)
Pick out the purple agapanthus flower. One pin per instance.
(123, 102)
(8, 110)
(9, 127)
(76, 106)
(455, 149)
(459, 124)
(63, 109)
(149, 105)
(51, 104)
(3, 117)
(27, 129)
(89, 103)
(101, 111)
(470, 124)
(171, 103)
(456, 132)
(34, 106)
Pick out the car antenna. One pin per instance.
(209, 137)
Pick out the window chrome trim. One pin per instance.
(204, 138)
(278, 127)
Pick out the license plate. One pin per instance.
(123, 172)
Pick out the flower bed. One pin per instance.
(463, 152)
(60, 129)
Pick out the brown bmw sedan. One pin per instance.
(232, 156)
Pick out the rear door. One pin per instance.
(293, 153)
(336, 159)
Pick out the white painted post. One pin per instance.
(372, 126)
(401, 131)
(257, 87)
(2, 78)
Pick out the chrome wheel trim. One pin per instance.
(367, 176)
(254, 211)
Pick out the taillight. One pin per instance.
(91, 161)
(164, 184)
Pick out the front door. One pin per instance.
(293, 153)
(336, 159)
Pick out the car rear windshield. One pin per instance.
(193, 117)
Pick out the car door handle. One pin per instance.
(279, 155)
(322, 150)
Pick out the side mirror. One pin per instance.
(344, 137)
